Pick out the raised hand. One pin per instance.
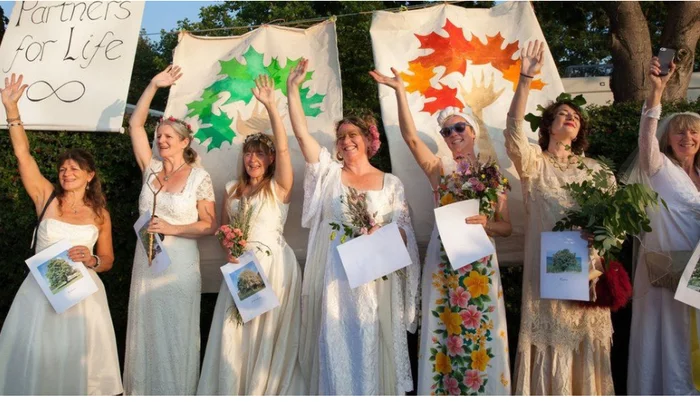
(657, 81)
(394, 82)
(298, 74)
(13, 91)
(264, 90)
(532, 58)
(167, 77)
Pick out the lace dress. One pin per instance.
(260, 357)
(353, 341)
(563, 348)
(73, 353)
(659, 348)
(464, 338)
(162, 339)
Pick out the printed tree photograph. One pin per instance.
(59, 273)
(563, 261)
(694, 281)
(248, 281)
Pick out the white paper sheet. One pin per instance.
(370, 257)
(464, 243)
(71, 280)
(565, 251)
(249, 287)
(688, 291)
(161, 260)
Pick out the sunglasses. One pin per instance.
(457, 127)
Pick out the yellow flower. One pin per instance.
(502, 334)
(480, 359)
(477, 284)
(453, 281)
(505, 180)
(503, 380)
(483, 176)
(500, 294)
(443, 364)
(452, 321)
(447, 199)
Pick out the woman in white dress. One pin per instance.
(162, 339)
(660, 361)
(260, 357)
(73, 353)
(353, 341)
(464, 314)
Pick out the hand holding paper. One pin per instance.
(464, 243)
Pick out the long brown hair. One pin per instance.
(256, 143)
(580, 143)
(94, 197)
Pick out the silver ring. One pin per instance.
(82, 254)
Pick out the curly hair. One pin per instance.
(580, 143)
(363, 123)
(94, 197)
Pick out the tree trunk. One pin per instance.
(630, 48)
(681, 32)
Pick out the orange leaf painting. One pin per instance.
(512, 74)
(491, 52)
(420, 80)
(448, 51)
(444, 97)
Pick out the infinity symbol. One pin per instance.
(72, 87)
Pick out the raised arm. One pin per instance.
(308, 144)
(531, 60)
(425, 158)
(264, 92)
(137, 122)
(38, 188)
(650, 158)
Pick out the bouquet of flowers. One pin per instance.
(609, 213)
(481, 181)
(234, 237)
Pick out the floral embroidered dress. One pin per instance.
(463, 339)
(563, 347)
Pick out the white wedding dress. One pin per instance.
(259, 357)
(73, 353)
(162, 338)
(354, 341)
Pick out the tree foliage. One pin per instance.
(564, 261)
(58, 271)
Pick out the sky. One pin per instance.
(157, 15)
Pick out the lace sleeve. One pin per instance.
(650, 157)
(205, 190)
(314, 177)
(523, 154)
(402, 218)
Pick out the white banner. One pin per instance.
(214, 95)
(76, 58)
(454, 56)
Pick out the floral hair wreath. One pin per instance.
(579, 101)
(260, 137)
(174, 120)
(375, 143)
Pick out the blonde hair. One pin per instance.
(679, 122)
(183, 131)
(255, 143)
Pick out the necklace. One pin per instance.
(571, 160)
(167, 176)
(72, 206)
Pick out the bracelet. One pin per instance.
(97, 262)
(17, 123)
(525, 75)
(11, 119)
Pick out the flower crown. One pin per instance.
(174, 120)
(260, 137)
(375, 143)
(579, 101)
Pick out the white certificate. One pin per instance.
(64, 282)
(564, 266)
(370, 257)
(161, 260)
(688, 290)
(249, 287)
(464, 243)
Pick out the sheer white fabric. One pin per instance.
(497, 374)
(73, 353)
(353, 341)
(659, 348)
(162, 340)
(260, 357)
(563, 348)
